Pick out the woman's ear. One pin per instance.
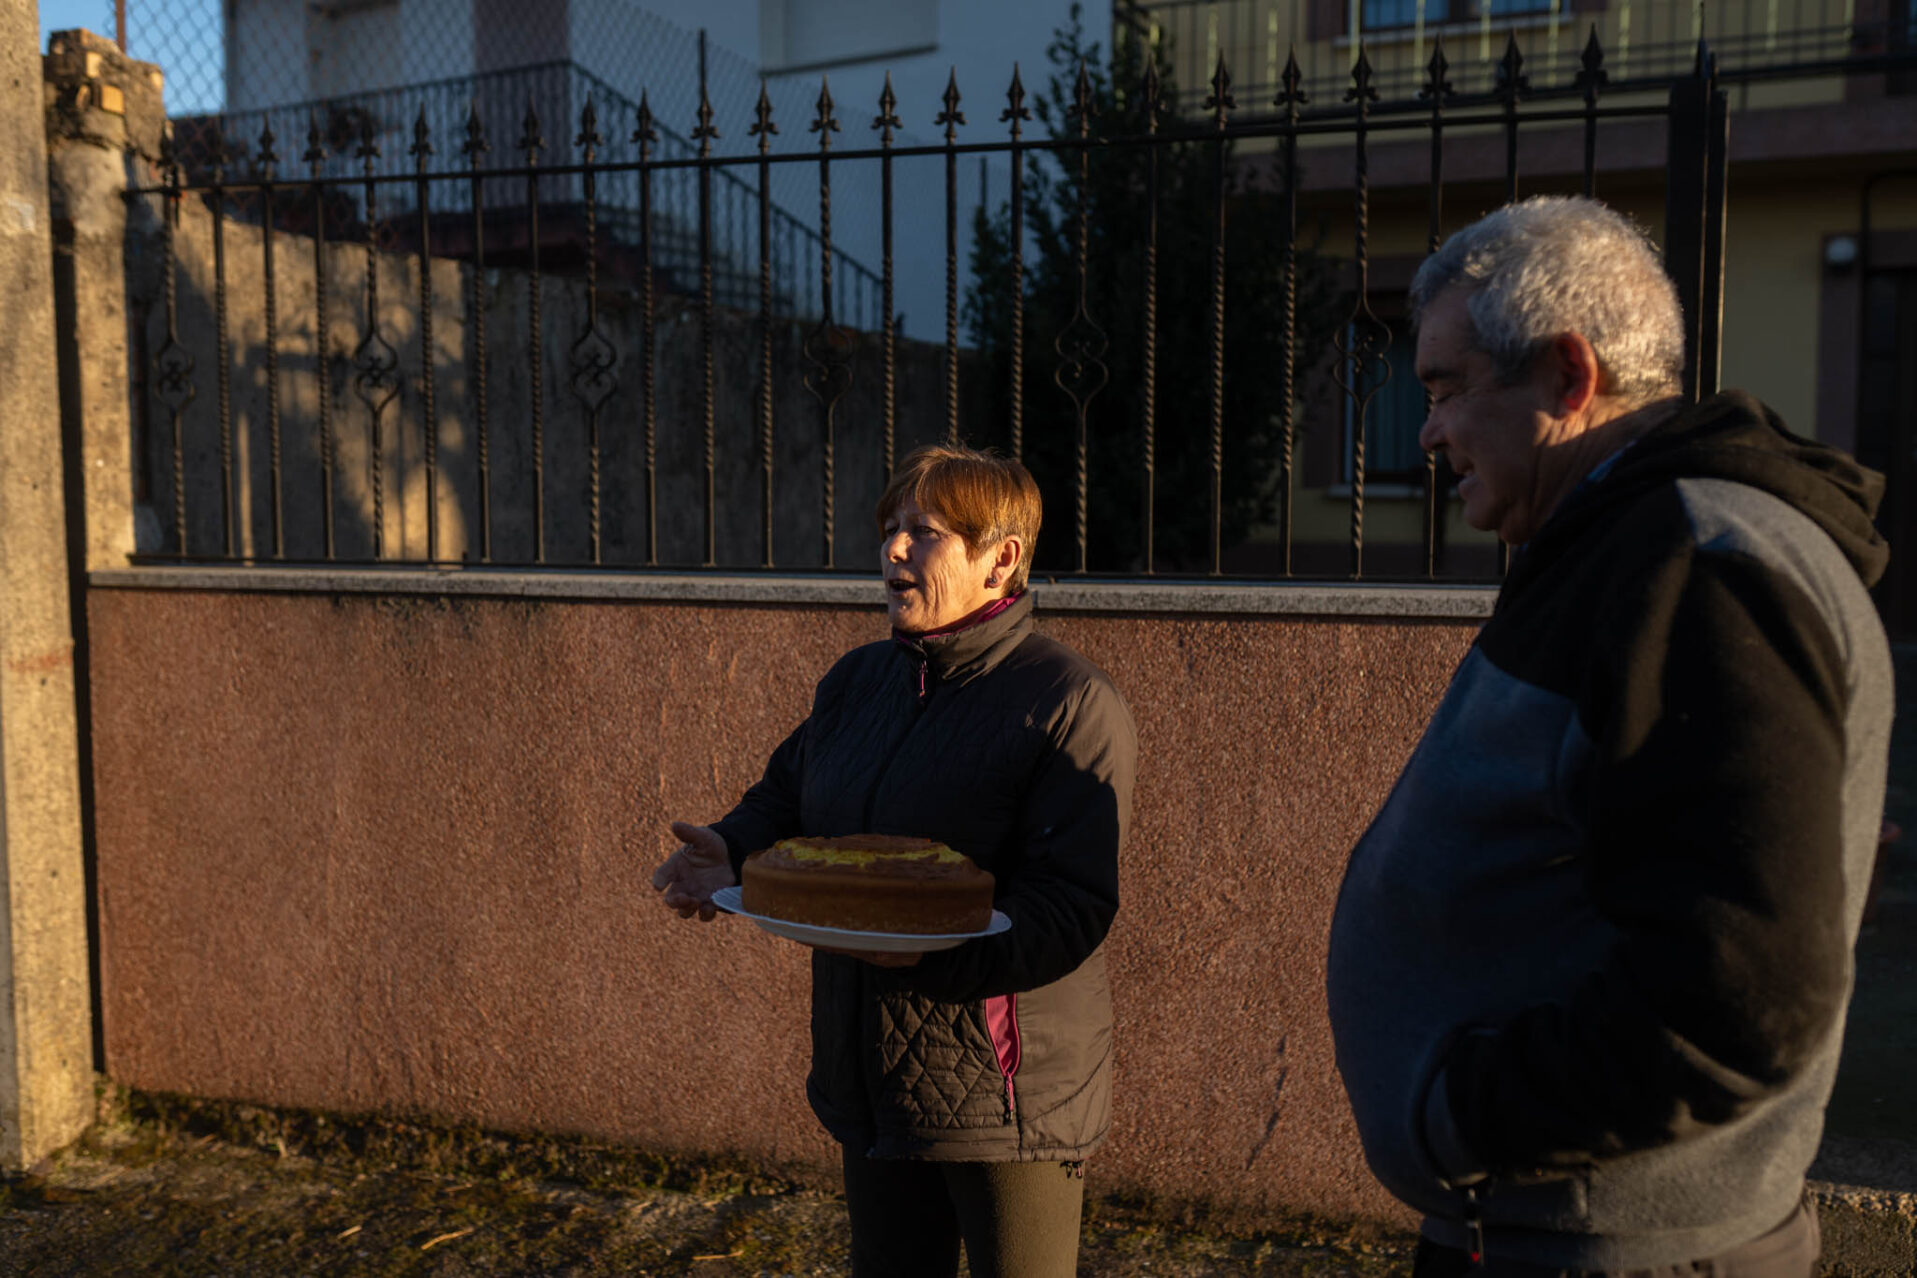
(1004, 560)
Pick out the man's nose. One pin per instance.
(1431, 434)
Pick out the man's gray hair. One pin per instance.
(1557, 264)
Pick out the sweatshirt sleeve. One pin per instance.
(1716, 851)
(769, 811)
(1065, 894)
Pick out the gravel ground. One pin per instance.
(167, 1186)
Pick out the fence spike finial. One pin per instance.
(530, 140)
(588, 139)
(315, 152)
(1015, 108)
(1437, 74)
(268, 158)
(1591, 74)
(1152, 94)
(888, 117)
(762, 126)
(704, 130)
(645, 131)
(1705, 67)
(951, 117)
(826, 124)
(1220, 100)
(422, 138)
(475, 144)
(1081, 109)
(368, 149)
(1291, 91)
(1361, 76)
(1512, 82)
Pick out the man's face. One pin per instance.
(1496, 436)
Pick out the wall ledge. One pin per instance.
(1433, 602)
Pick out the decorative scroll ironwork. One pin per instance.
(593, 356)
(827, 369)
(1081, 371)
(375, 358)
(828, 348)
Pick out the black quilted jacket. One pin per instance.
(1018, 752)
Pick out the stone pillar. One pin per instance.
(46, 1050)
(103, 123)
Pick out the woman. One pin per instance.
(967, 1085)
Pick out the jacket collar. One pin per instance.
(958, 655)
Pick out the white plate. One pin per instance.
(840, 938)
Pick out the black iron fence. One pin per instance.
(1134, 119)
(339, 140)
(1647, 44)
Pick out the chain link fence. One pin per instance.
(311, 85)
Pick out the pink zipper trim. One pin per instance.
(1001, 1022)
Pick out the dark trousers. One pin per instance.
(1016, 1220)
(1788, 1251)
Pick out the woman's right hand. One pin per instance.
(690, 876)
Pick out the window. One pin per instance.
(1396, 414)
(1387, 15)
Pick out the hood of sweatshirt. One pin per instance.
(1729, 436)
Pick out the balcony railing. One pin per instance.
(1648, 43)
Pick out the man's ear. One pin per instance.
(1577, 377)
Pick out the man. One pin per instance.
(1589, 965)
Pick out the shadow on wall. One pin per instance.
(506, 450)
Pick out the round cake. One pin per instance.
(868, 883)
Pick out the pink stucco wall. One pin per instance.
(392, 853)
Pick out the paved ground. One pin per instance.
(1876, 1097)
(167, 1187)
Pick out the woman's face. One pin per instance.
(932, 582)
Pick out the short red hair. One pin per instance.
(985, 498)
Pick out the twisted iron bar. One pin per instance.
(474, 147)
(266, 162)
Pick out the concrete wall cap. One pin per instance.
(1437, 602)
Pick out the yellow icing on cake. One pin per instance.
(866, 856)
